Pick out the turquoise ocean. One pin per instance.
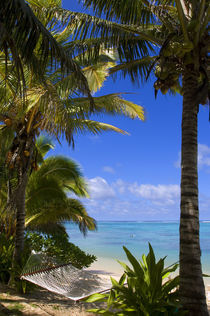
(107, 242)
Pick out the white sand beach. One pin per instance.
(108, 265)
(44, 303)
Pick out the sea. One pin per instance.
(107, 242)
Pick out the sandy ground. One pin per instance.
(43, 303)
(39, 303)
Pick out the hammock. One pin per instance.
(64, 279)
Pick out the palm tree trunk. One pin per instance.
(20, 216)
(192, 290)
(18, 196)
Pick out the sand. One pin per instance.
(44, 303)
(39, 303)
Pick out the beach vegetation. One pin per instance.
(50, 194)
(168, 41)
(54, 106)
(27, 40)
(48, 206)
(145, 288)
(6, 253)
(55, 245)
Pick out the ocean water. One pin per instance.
(108, 241)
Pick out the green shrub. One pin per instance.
(56, 246)
(6, 253)
(141, 289)
(59, 247)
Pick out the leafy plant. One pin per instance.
(141, 290)
(56, 246)
(59, 247)
(6, 252)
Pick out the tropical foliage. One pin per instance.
(52, 245)
(48, 203)
(53, 105)
(26, 40)
(142, 289)
(48, 206)
(48, 195)
(167, 38)
(58, 246)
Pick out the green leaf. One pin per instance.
(95, 298)
(125, 266)
(134, 262)
(122, 279)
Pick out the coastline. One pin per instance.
(108, 241)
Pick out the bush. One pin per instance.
(144, 292)
(58, 247)
(6, 254)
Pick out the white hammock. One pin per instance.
(64, 279)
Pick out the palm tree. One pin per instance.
(53, 108)
(48, 201)
(26, 40)
(51, 199)
(169, 37)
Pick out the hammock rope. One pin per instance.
(63, 278)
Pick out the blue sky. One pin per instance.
(137, 177)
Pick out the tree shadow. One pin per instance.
(9, 311)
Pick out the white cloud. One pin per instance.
(122, 200)
(120, 186)
(203, 155)
(167, 194)
(100, 189)
(108, 169)
(132, 201)
(157, 194)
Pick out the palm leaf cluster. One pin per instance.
(161, 35)
(127, 41)
(50, 194)
(26, 40)
(47, 201)
(53, 105)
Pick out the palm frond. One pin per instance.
(40, 191)
(47, 229)
(22, 33)
(130, 12)
(56, 177)
(57, 212)
(43, 145)
(82, 126)
(97, 74)
(61, 167)
(111, 32)
(112, 104)
(137, 69)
